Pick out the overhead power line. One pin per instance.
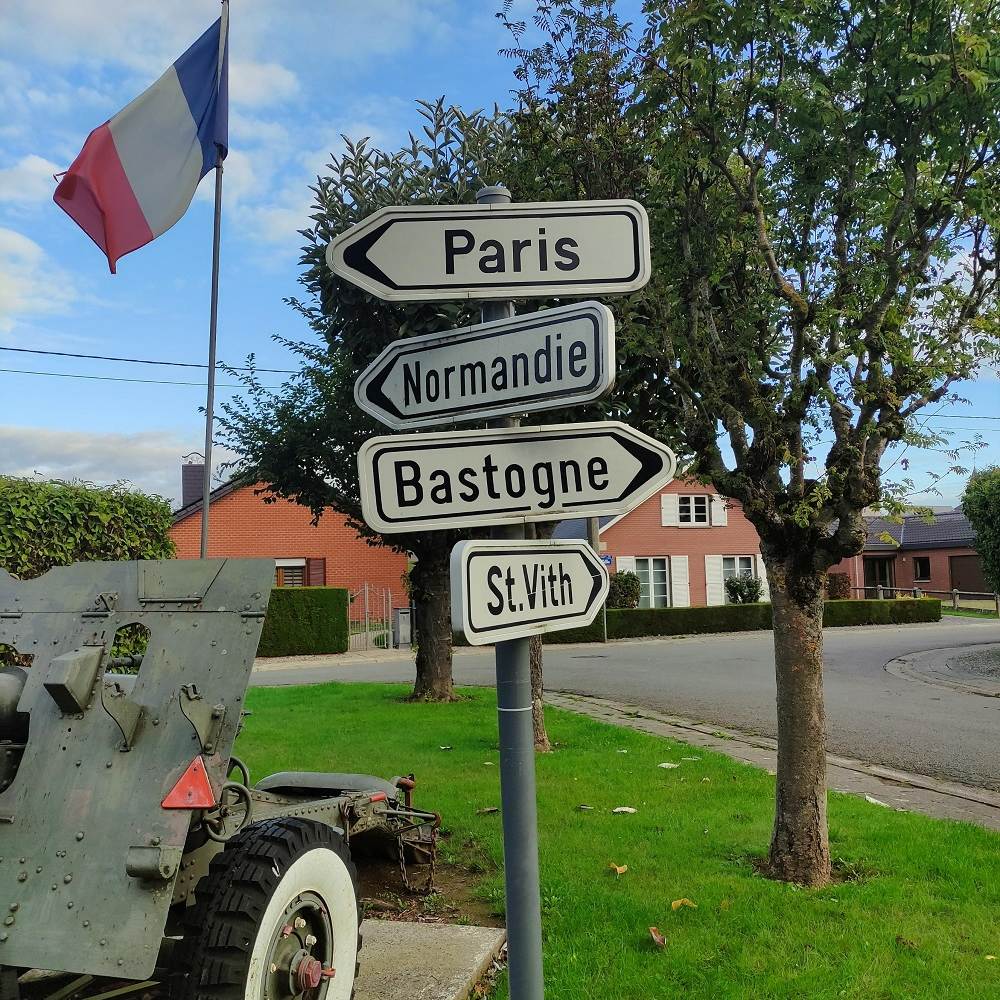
(115, 378)
(141, 361)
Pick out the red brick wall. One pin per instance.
(641, 533)
(241, 524)
(940, 578)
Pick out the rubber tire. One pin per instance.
(220, 929)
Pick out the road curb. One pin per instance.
(931, 666)
(901, 790)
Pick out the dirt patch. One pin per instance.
(452, 901)
(982, 663)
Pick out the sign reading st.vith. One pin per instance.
(455, 479)
(539, 361)
(496, 251)
(509, 589)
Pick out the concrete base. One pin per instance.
(404, 961)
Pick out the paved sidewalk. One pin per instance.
(895, 789)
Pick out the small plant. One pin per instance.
(744, 589)
(625, 590)
(838, 586)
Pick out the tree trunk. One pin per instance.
(800, 849)
(542, 744)
(429, 584)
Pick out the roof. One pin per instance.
(576, 527)
(945, 531)
(217, 494)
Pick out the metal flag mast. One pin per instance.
(213, 322)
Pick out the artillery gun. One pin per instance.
(135, 855)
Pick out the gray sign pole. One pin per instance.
(517, 764)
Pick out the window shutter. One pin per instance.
(669, 503)
(762, 576)
(715, 591)
(719, 515)
(315, 572)
(680, 587)
(624, 564)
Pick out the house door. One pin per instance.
(967, 574)
(879, 572)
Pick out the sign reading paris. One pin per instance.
(554, 357)
(496, 251)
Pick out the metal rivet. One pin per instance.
(8, 921)
(121, 961)
(86, 923)
(22, 860)
(54, 887)
(3, 936)
(155, 841)
(38, 870)
(22, 877)
(67, 879)
(14, 907)
(79, 836)
(69, 905)
(103, 942)
(108, 764)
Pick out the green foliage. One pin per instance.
(744, 589)
(981, 504)
(45, 524)
(838, 586)
(625, 590)
(302, 620)
(892, 612)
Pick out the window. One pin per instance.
(692, 509)
(290, 573)
(736, 566)
(654, 581)
(922, 568)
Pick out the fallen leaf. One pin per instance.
(617, 869)
(488, 763)
(584, 808)
(488, 811)
(444, 748)
(690, 758)
(875, 802)
(623, 751)
(668, 764)
(705, 781)
(624, 809)
(905, 942)
(684, 901)
(658, 939)
(991, 958)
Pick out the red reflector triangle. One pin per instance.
(193, 790)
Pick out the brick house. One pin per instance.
(936, 555)
(683, 543)
(241, 524)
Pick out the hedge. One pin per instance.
(637, 623)
(305, 620)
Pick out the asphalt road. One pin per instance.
(728, 680)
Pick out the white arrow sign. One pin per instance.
(547, 359)
(496, 251)
(510, 589)
(511, 475)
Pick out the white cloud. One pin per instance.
(29, 180)
(149, 460)
(29, 283)
(260, 83)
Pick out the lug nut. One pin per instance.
(274, 967)
(299, 923)
(310, 940)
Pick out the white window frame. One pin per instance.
(281, 564)
(691, 500)
(921, 579)
(651, 583)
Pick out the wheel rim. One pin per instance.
(299, 956)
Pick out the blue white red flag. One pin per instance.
(137, 173)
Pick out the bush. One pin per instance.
(838, 586)
(304, 620)
(625, 590)
(744, 589)
(894, 612)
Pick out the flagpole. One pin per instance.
(213, 322)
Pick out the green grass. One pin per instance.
(916, 921)
(968, 613)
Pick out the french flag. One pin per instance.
(137, 173)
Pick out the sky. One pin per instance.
(302, 76)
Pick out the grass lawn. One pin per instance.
(968, 613)
(916, 917)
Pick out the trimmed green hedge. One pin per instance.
(305, 620)
(637, 623)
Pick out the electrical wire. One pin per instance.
(139, 361)
(115, 378)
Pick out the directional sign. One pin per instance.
(496, 251)
(455, 479)
(510, 589)
(540, 361)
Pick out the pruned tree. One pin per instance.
(303, 439)
(822, 181)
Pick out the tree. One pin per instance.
(822, 182)
(981, 504)
(303, 439)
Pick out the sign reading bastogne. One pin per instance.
(454, 479)
(501, 251)
(546, 359)
(506, 590)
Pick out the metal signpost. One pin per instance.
(507, 589)
(456, 479)
(501, 590)
(496, 250)
(555, 357)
